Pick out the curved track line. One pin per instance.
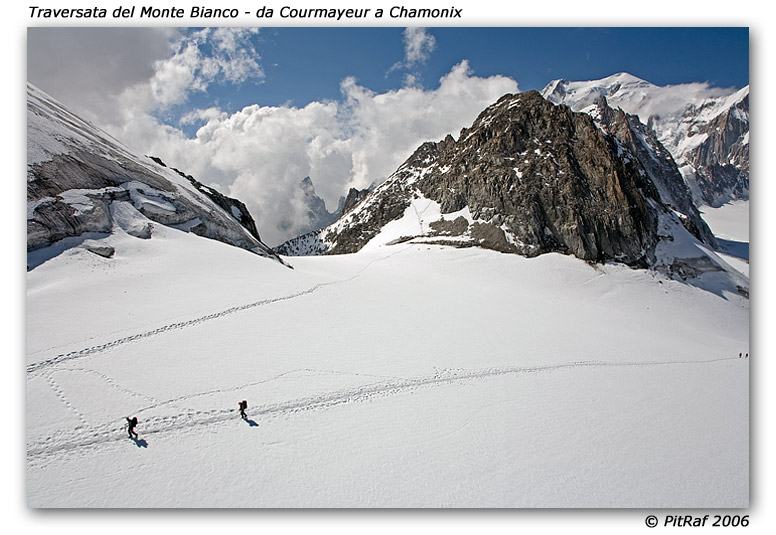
(297, 372)
(63, 357)
(108, 433)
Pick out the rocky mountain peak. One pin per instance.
(352, 199)
(548, 180)
(719, 166)
(527, 177)
(531, 177)
(317, 215)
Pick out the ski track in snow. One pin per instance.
(65, 442)
(64, 357)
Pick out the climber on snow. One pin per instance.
(131, 424)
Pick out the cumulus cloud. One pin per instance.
(165, 67)
(672, 99)
(260, 154)
(195, 61)
(418, 45)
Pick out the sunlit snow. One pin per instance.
(411, 375)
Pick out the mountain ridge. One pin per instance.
(531, 177)
(706, 130)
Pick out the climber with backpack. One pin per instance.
(131, 424)
(243, 405)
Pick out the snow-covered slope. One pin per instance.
(83, 185)
(623, 90)
(675, 112)
(706, 131)
(412, 375)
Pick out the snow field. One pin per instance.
(730, 223)
(401, 376)
(504, 441)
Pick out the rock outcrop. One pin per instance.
(534, 177)
(352, 199)
(719, 166)
(550, 180)
(642, 143)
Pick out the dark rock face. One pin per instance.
(363, 225)
(707, 136)
(719, 183)
(350, 201)
(530, 177)
(455, 227)
(642, 143)
(721, 162)
(550, 178)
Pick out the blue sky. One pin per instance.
(253, 111)
(299, 65)
(307, 64)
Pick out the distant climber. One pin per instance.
(243, 405)
(131, 424)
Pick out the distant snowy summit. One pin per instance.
(83, 185)
(531, 177)
(705, 130)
